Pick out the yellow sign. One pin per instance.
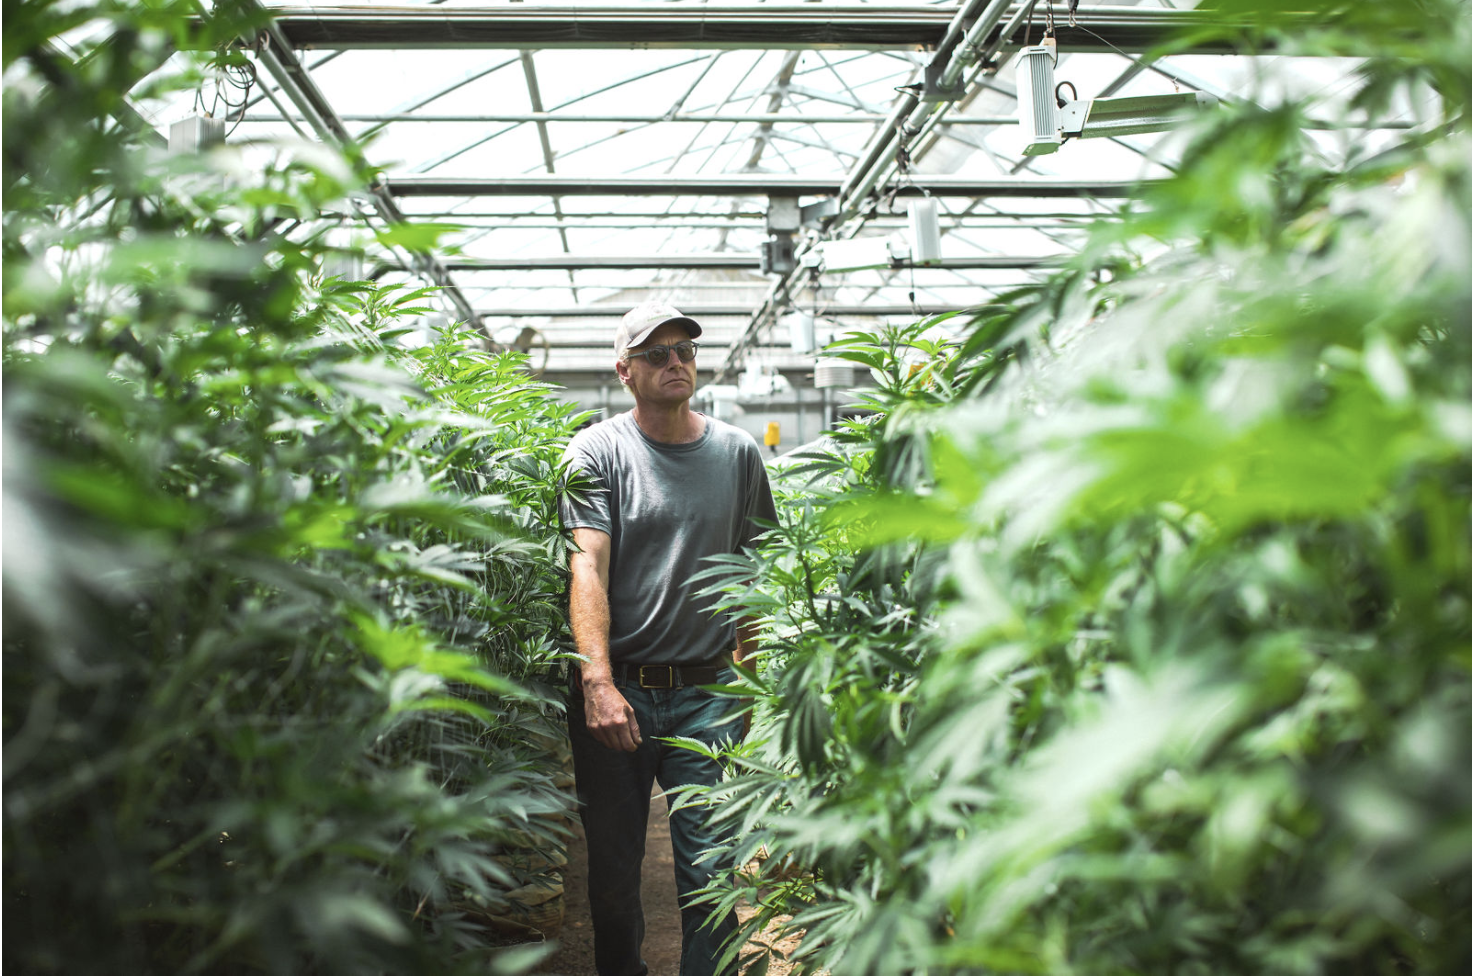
(774, 434)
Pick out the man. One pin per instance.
(672, 487)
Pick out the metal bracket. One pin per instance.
(816, 214)
(932, 90)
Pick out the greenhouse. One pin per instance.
(1071, 471)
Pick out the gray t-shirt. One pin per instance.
(666, 508)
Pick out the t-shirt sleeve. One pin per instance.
(759, 504)
(585, 502)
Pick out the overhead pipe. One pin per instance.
(882, 151)
(978, 33)
(982, 57)
(883, 141)
(958, 50)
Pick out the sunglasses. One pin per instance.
(659, 355)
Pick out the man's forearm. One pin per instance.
(589, 617)
(610, 718)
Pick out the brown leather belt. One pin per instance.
(667, 677)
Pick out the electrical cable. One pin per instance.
(1130, 57)
(230, 78)
(242, 78)
(903, 175)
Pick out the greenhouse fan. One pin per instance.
(528, 340)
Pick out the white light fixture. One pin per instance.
(1046, 125)
(801, 332)
(853, 254)
(1037, 106)
(924, 231)
(1093, 118)
(195, 134)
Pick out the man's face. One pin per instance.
(672, 383)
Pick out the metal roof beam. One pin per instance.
(612, 218)
(407, 109)
(754, 288)
(771, 26)
(482, 140)
(695, 309)
(534, 93)
(292, 76)
(539, 262)
(751, 222)
(966, 31)
(741, 185)
(627, 118)
(597, 347)
(723, 260)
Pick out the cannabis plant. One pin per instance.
(280, 591)
(1132, 634)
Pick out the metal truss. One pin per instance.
(296, 82)
(734, 118)
(769, 26)
(698, 310)
(704, 113)
(725, 260)
(743, 185)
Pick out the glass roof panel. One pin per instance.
(574, 111)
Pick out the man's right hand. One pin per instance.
(611, 719)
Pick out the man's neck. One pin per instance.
(675, 424)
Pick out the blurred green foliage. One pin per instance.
(280, 592)
(1131, 633)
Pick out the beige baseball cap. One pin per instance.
(644, 319)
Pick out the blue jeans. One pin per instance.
(613, 793)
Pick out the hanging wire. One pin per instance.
(239, 78)
(904, 176)
(815, 282)
(1130, 57)
(227, 81)
(1047, 25)
(914, 305)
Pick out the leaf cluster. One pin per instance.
(282, 592)
(1130, 632)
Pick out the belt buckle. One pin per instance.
(669, 677)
